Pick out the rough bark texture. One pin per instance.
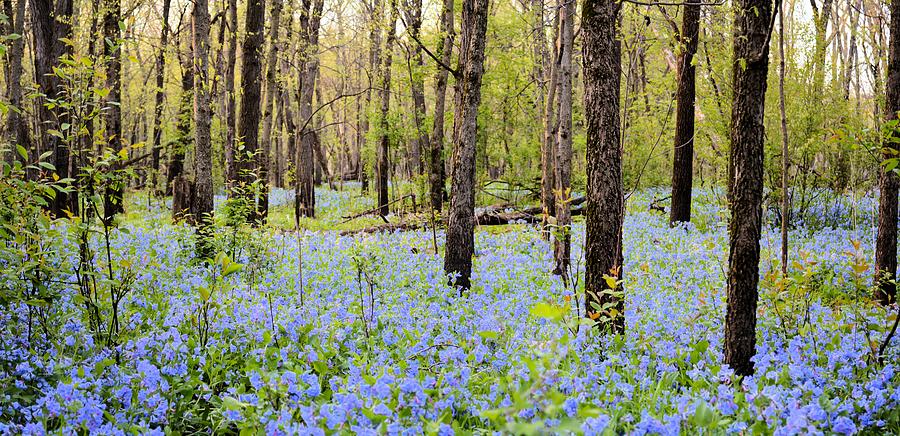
(563, 175)
(886, 241)
(683, 160)
(383, 167)
(436, 152)
(750, 69)
(112, 12)
(160, 93)
(605, 203)
(304, 192)
(269, 109)
(231, 99)
(202, 199)
(461, 225)
(50, 23)
(248, 160)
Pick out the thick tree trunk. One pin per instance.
(269, 110)
(383, 155)
(304, 191)
(202, 199)
(112, 200)
(605, 205)
(51, 24)
(461, 225)
(160, 94)
(231, 169)
(821, 18)
(785, 197)
(436, 152)
(250, 160)
(750, 69)
(886, 241)
(683, 160)
(563, 175)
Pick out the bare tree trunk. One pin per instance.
(202, 200)
(383, 155)
(436, 152)
(785, 197)
(183, 126)
(304, 192)
(548, 141)
(160, 93)
(112, 200)
(461, 225)
(821, 18)
(605, 201)
(268, 109)
(563, 176)
(51, 24)
(683, 160)
(251, 160)
(16, 126)
(886, 240)
(417, 85)
(231, 168)
(750, 69)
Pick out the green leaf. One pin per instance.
(489, 334)
(22, 152)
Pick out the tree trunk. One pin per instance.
(249, 161)
(231, 169)
(160, 94)
(268, 110)
(51, 24)
(563, 176)
(548, 140)
(605, 205)
(112, 200)
(202, 200)
(750, 69)
(886, 241)
(821, 18)
(183, 126)
(417, 85)
(436, 152)
(683, 160)
(304, 192)
(383, 167)
(461, 225)
(785, 198)
(16, 125)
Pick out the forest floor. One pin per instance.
(319, 332)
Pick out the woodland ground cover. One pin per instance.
(376, 341)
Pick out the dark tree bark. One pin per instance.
(202, 199)
(683, 160)
(383, 168)
(605, 201)
(178, 147)
(112, 14)
(886, 241)
(231, 169)
(16, 126)
(160, 93)
(436, 151)
(749, 71)
(268, 109)
(461, 224)
(548, 140)
(305, 159)
(417, 84)
(51, 23)
(249, 160)
(563, 174)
